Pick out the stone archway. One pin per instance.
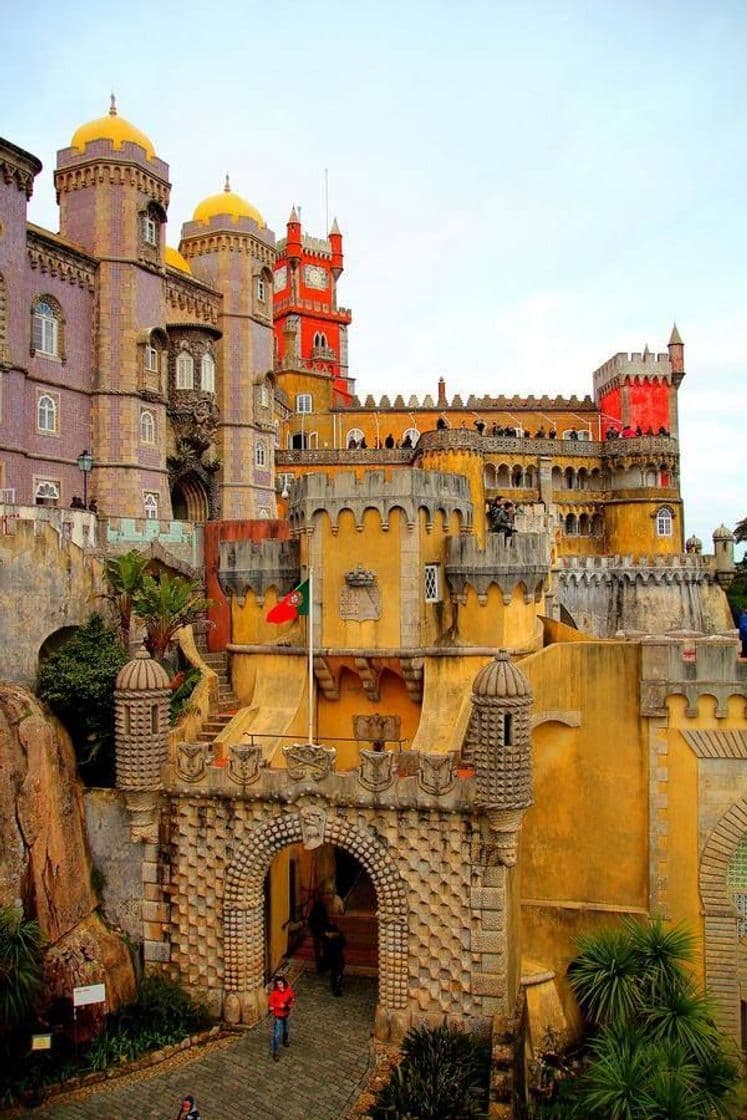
(720, 917)
(243, 910)
(190, 498)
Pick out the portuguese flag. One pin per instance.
(295, 603)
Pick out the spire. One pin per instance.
(112, 105)
(227, 187)
(674, 338)
(646, 352)
(293, 216)
(335, 227)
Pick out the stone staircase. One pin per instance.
(361, 950)
(227, 704)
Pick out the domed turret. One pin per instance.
(173, 258)
(141, 709)
(499, 735)
(723, 546)
(114, 128)
(227, 204)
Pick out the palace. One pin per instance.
(525, 715)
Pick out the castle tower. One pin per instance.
(18, 169)
(723, 547)
(228, 245)
(499, 747)
(310, 327)
(141, 719)
(639, 390)
(113, 193)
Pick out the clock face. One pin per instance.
(281, 278)
(315, 277)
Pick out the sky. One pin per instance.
(524, 188)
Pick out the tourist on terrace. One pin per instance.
(389, 442)
(552, 434)
(441, 424)
(540, 433)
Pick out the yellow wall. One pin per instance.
(335, 717)
(630, 526)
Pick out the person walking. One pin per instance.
(317, 923)
(334, 955)
(282, 999)
(743, 631)
(188, 1110)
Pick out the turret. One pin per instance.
(676, 348)
(723, 547)
(141, 719)
(293, 240)
(335, 241)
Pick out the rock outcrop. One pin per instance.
(45, 862)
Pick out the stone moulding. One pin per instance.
(523, 558)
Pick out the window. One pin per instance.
(571, 525)
(320, 341)
(46, 492)
(736, 884)
(508, 730)
(153, 719)
(260, 454)
(664, 521)
(207, 370)
(46, 413)
(261, 289)
(354, 438)
(581, 434)
(276, 429)
(150, 229)
(185, 371)
(151, 359)
(304, 402)
(264, 512)
(410, 437)
(150, 505)
(147, 427)
(45, 336)
(264, 396)
(431, 583)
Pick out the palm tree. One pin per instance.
(165, 605)
(604, 976)
(21, 945)
(124, 579)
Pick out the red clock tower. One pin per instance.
(310, 328)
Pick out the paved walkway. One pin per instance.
(317, 1078)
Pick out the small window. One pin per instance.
(664, 522)
(260, 454)
(150, 229)
(571, 525)
(264, 397)
(264, 512)
(150, 505)
(320, 341)
(154, 719)
(354, 438)
(207, 371)
(261, 289)
(185, 371)
(46, 492)
(276, 431)
(46, 413)
(431, 583)
(45, 329)
(147, 427)
(151, 359)
(304, 402)
(508, 730)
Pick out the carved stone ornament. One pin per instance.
(503, 838)
(312, 821)
(377, 728)
(360, 577)
(376, 771)
(143, 810)
(436, 774)
(244, 762)
(309, 762)
(190, 761)
(359, 604)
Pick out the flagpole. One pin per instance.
(310, 630)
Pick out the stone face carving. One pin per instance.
(377, 728)
(190, 761)
(313, 820)
(244, 761)
(360, 603)
(309, 762)
(376, 770)
(436, 774)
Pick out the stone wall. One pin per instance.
(117, 858)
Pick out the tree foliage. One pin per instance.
(77, 682)
(164, 605)
(740, 530)
(124, 580)
(21, 946)
(443, 1076)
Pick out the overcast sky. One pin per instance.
(524, 188)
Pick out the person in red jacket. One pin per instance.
(282, 999)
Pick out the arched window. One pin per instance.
(185, 371)
(411, 434)
(569, 478)
(736, 883)
(207, 372)
(46, 493)
(651, 478)
(304, 402)
(264, 396)
(583, 525)
(597, 524)
(353, 438)
(517, 477)
(260, 454)
(150, 505)
(45, 337)
(147, 427)
(150, 229)
(46, 413)
(261, 289)
(571, 525)
(320, 341)
(664, 522)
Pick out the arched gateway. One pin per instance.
(243, 911)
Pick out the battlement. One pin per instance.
(623, 367)
(530, 403)
(410, 491)
(316, 246)
(653, 570)
(258, 565)
(505, 561)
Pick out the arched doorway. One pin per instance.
(245, 900)
(189, 499)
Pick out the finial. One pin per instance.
(646, 352)
(112, 105)
(293, 216)
(675, 337)
(227, 187)
(335, 227)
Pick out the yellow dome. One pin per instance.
(114, 128)
(227, 203)
(173, 258)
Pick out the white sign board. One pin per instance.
(91, 993)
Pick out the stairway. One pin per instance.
(361, 948)
(227, 704)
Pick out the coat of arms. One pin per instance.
(436, 774)
(244, 761)
(309, 762)
(376, 771)
(190, 761)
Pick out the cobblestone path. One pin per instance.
(317, 1078)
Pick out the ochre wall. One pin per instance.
(630, 525)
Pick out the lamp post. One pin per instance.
(85, 465)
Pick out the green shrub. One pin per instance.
(180, 696)
(444, 1075)
(21, 946)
